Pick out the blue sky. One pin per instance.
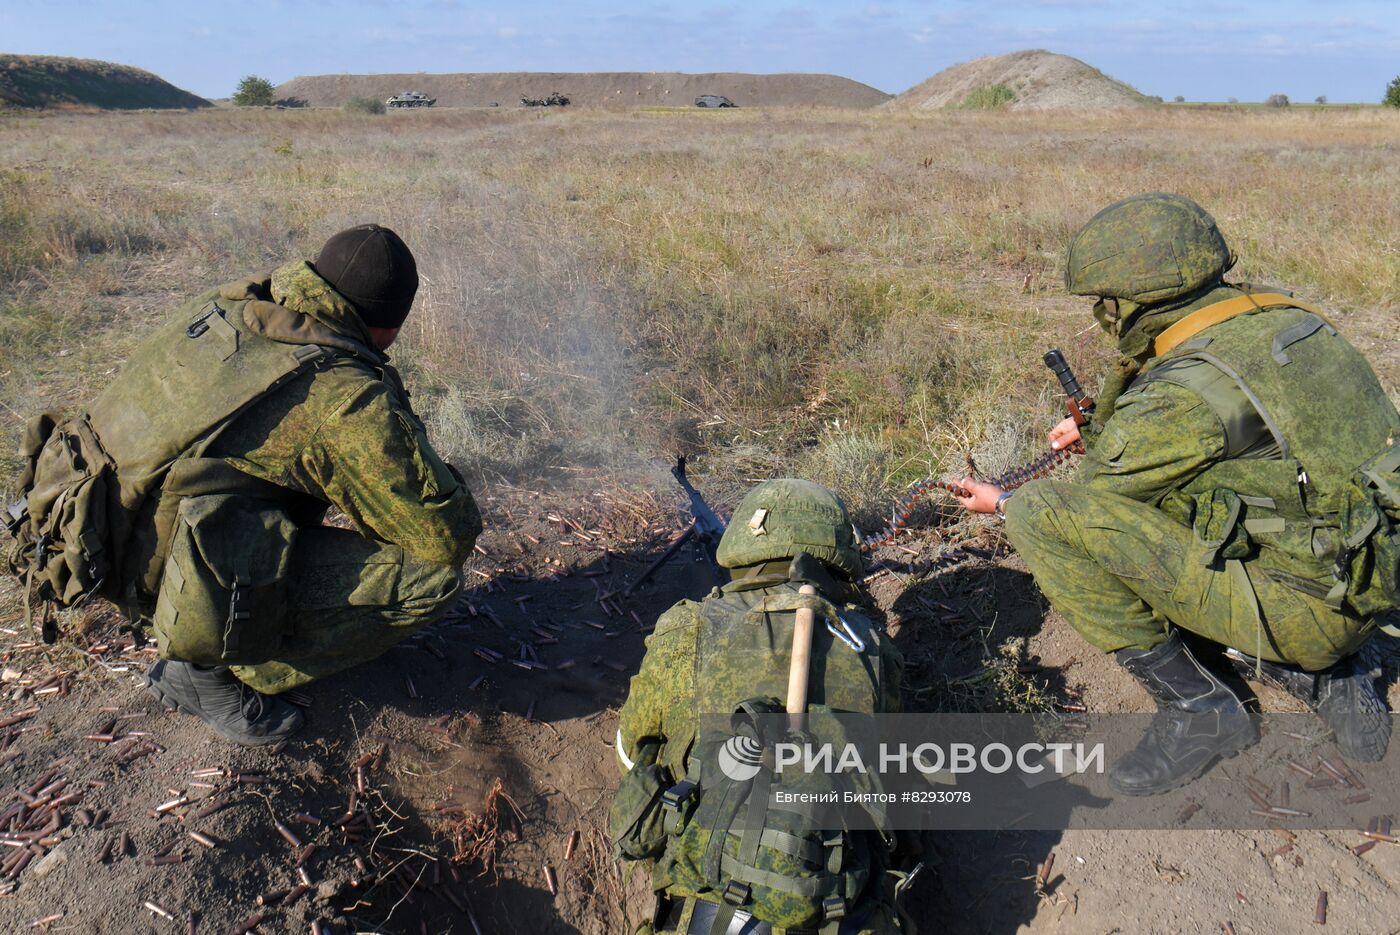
(1347, 50)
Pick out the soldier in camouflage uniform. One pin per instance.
(707, 657)
(339, 432)
(1208, 499)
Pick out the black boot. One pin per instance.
(1199, 720)
(1344, 696)
(234, 711)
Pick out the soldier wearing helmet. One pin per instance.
(731, 650)
(1205, 514)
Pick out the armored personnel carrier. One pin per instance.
(714, 100)
(410, 99)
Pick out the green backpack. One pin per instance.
(103, 490)
(723, 840)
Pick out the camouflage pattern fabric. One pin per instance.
(1147, 249)
(352, 599)
(661, 706)
(1120, 571)
(779, 518)
(346, 436)
(1187, 507)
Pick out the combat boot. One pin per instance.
(233, 710)
(1199, 720)
(1344, 696)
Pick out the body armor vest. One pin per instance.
(1302, 410)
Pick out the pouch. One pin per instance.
(225, 593)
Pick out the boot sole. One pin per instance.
(171, 704)
(1248, 741)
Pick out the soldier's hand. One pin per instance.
(1064, 434)
(982, 497)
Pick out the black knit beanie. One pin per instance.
(371, 267)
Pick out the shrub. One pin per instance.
(1233, 100)
(253, 92)
(1392, 94)
(1276, 100)
(988, 97)
(364, 105)
(1179, 99)
(1321, 99)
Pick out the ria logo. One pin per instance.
(741, 758)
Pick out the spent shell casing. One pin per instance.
(550, 880)
(1320, 916)
(571, 844)
(157, 908)
(287, 834)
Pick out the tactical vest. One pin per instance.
(724, 845)
(1302, 410)
(92, 520)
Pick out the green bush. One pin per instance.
(988, 97)
(364, 105)
(253, 92)
(1392, 94)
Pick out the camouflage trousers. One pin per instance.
(352, 600)
(1122, 572)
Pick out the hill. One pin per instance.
(589, 89)
(1030, 80)
(51, 81)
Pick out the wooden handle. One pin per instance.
(801, 655)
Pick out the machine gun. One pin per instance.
(705, 527)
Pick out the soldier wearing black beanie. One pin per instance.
(374, 270)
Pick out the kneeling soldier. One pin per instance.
(192, 491)
(1239, 472)
(729, 651)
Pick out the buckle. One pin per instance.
(833, 907)
(736, 893)
(15, 515)
(309, 353)
(200, 323)
(676, 796)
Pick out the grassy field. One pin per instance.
(861, 298)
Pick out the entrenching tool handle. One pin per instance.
(801, 659)
(1079, 404)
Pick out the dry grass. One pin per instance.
(853, 296)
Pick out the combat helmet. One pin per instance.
(780, 518)
(1147, 249)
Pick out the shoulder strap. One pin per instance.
(1214, 314)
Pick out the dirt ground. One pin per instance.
(393, 776)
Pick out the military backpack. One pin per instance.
(717, 836)
(109, 493)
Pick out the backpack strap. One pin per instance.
(1203, 318)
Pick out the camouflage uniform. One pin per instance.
(344, 435)
(1144, 537)
(663, 704)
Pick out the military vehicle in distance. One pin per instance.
(555, 99)
(410, 99)
(714, 100)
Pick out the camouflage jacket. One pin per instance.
(1230, 414)
(345, 434)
